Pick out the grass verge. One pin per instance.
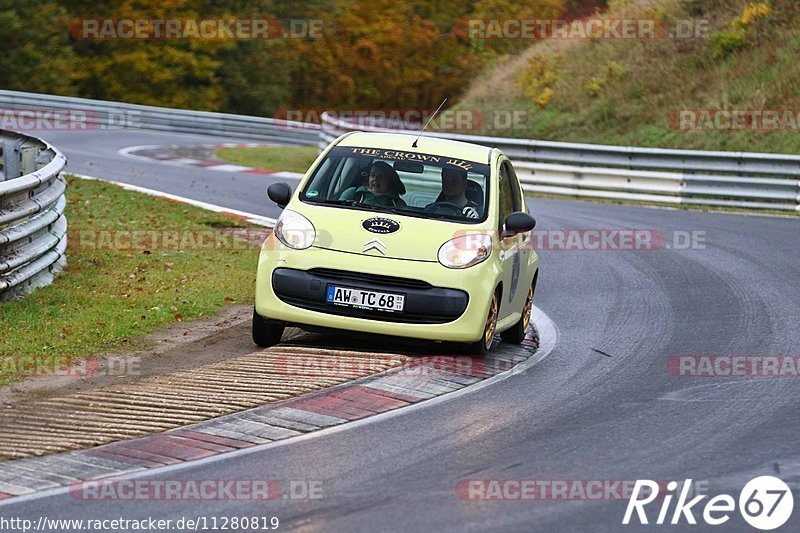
(135, 263)
(283, 158)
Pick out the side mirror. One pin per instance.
(280, 193)
(518, 222)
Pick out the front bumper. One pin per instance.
(441, 304)
(424, 304)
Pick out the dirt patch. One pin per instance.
(190, 345)
(189, 373)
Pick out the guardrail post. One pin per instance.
(798, 197)
(11, 159)
(27, 159)
(42, 158)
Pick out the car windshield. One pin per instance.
(408, 183)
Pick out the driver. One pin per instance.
(454, 186)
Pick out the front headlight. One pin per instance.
(466, 250)
(294, 230)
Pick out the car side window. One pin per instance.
(506, 194)
(519, 198)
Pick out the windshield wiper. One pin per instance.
(332, 202)
(440, 216)
(353, 203)
(389, 209)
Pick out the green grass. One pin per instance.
(109, 298)
(285, 158)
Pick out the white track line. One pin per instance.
(128, 152)
(225, 167)
(249, 217)
(548, 338)
(220, 166)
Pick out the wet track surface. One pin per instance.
(604, 405)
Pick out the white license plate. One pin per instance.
(382, 301)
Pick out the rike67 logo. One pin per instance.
(765, 503)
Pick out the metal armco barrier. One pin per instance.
(25, 109)
(33, 228)
(689, 177)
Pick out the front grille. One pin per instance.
(370, 278)
(425, 304)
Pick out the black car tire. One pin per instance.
(266, 332)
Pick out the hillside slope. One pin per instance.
(667, 92)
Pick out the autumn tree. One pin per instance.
(371, 55)
(35, 51)
(382, 54)
(170, 73)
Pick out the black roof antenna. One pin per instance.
(414, 144)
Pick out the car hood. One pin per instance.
(391, 236)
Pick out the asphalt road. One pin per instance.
(578, 415)
(95, 153)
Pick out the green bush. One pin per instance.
(727, 41)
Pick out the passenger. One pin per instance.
(454, 191)
(383, 187)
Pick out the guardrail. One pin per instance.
(33, 228)
(689, 177)
(82, 113)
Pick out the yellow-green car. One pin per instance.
(427, 238)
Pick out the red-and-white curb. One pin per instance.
(168, 158)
